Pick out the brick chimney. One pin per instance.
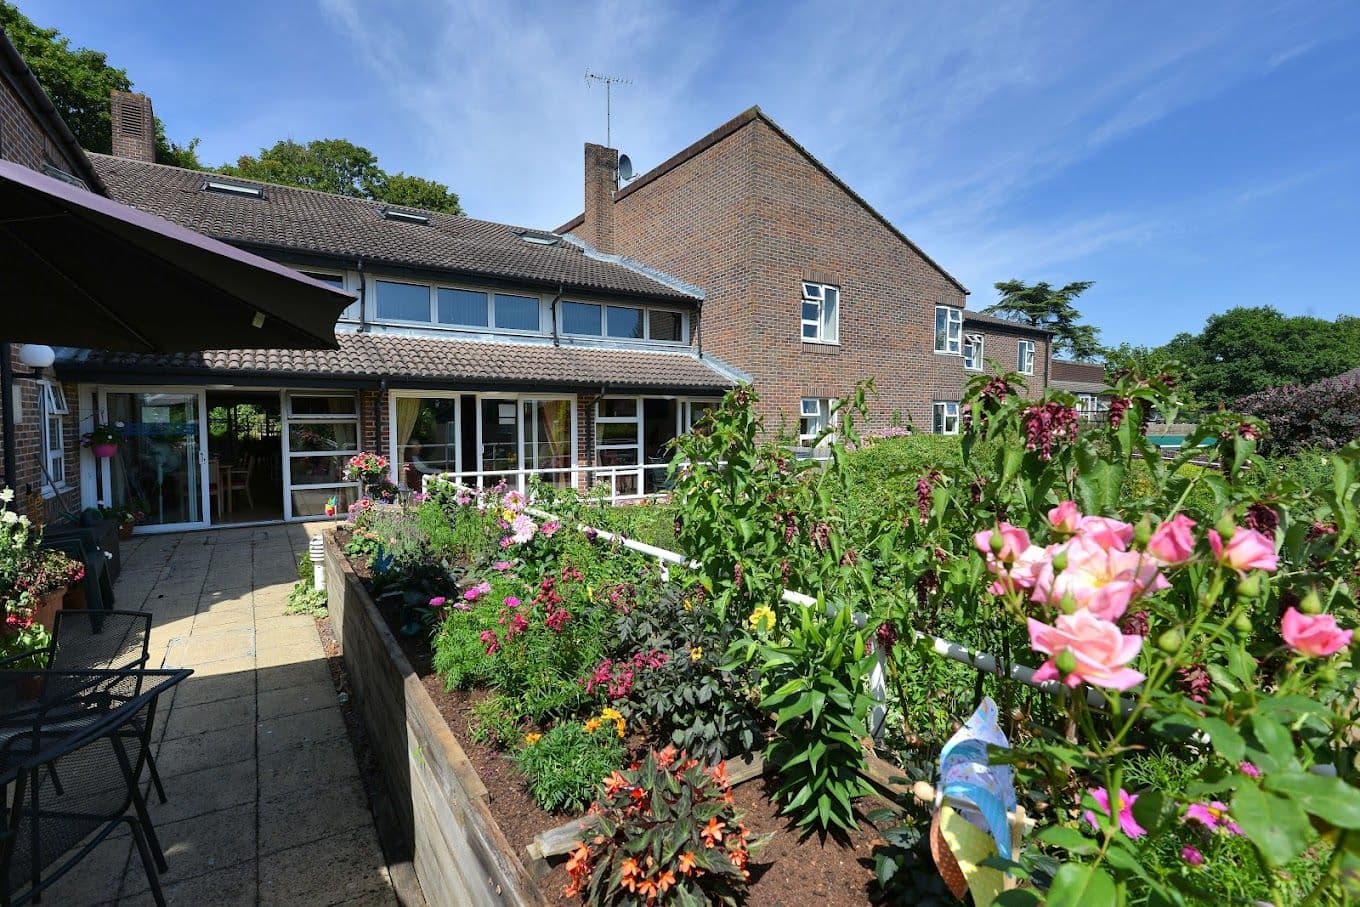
(602, 168)
(134, 126)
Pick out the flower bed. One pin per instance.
(1201, 617)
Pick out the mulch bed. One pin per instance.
(794, 868)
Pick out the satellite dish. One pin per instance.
(625, 168)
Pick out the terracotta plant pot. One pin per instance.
(31, 687)
(125, 530)
(75, 597)
(104, 451)
(46, 612)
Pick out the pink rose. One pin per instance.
(1315, 635)
(1101, 580)
(1065, 518)
(1246, 550)
(1172, 543)
(1101, 651)
(1108, 533)
(1014, 542)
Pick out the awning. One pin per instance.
(83, 271)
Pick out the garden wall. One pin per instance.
(460, 855)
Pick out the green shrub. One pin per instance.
(495, 722)
(564, 767)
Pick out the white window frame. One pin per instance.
(289, 420)
(433, 322)
(826, 328)
(950, 342)
(973, 351)
(1025, 354)
(821, 415)
(52, 407)
(393, 455)
(605, 305)
(945, 417)
(352, 312)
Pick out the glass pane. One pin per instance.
(427, 438)
(323, 406)
(812, 291)
(809, 331)
(319, 469)
(547, 438)
(517, 313)
(580, 318)
(314, 501)
(500, 435)
(617, 408)
(830, 315)
(618, 433)
(323, 436)
(155, 470)
(665, 326)
(401, 301)
(811, 311)
(625, 322)
(334, 280)
(625, 456)
(462, 307)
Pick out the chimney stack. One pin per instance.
(602, 175)
(134, 126)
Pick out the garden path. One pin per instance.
(265, 804)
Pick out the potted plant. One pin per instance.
(370, 471)
(44, 579)
(21, 633)
(102, 440)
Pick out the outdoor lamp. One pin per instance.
(37, 357)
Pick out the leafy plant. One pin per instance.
(666, 832)
(304, 597)
(494, 722)
(564, 767)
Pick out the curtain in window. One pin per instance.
(408, 413)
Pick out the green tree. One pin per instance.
(340, 166)
(1248, 349)
(1039, 305)
(78, 80)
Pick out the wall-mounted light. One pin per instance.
(37, 357)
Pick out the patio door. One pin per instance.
(160, 469)
(518, 436)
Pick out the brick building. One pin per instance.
(33, 135)
(807, 289)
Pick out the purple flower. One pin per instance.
(1192, 856)
(1123, 811)
(438, 601)
(549, 528)
(1250, 770)
(477, 591)
(502, 566)
(1213, 816)
(511, 601)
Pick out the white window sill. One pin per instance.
(49, 492)
(947, 353)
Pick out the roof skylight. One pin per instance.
(540, 239)
(237, 189)
(406, 217)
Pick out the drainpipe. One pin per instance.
(7, 422)
(553, 311)
(363, 296)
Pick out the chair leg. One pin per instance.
(151, 876)
(139, 802)
(155, 776)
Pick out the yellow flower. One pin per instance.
(696, 653)
(509, 515)
(762, 619)
(592, 725)
(531, 739)
(687, 604)
(614, 715)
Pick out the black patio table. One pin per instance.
(71, 761)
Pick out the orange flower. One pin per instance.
(687, 862)
(614, 783)
(664, 881)
(664, 757)
(629, 874)
(578, 867)
(713, 831)
(719, 773)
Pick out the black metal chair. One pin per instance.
(70, 763)
(95, 640)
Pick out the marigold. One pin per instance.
(531, 739)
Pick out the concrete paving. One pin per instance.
(265, 801)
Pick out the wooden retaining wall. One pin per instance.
(460, 855)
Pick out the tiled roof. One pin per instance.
(746, 117)
(980, 318)
(322, 223)
(410, 361)
(1080, 387)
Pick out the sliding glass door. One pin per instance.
(158, 470)
(519, 436)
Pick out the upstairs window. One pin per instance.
(517, 313)
(351, 312)
(1025, 357)
(972, 352)
(401, 301)
(821, 313)
(463, 308)
(946, 417)
(814, 420)
(948, 330)
(621, 322)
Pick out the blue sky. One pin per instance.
(1187, 157)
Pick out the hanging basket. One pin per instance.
(104, 451)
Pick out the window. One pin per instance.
(814, 420)
(948, 330)
(821, 313)
(401, 301)
(946, 418)
(1025, 358)
(351, 312)
(517, 313)
(224, 188)
(406, 217)
(624, 321)
(465, 308)
(581, 318)
(972, 352)
(665, 326)
(51, 408)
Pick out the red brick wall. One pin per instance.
(23, 141)
(747, 220)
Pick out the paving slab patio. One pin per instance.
(266, 805)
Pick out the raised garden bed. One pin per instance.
(463, 804)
